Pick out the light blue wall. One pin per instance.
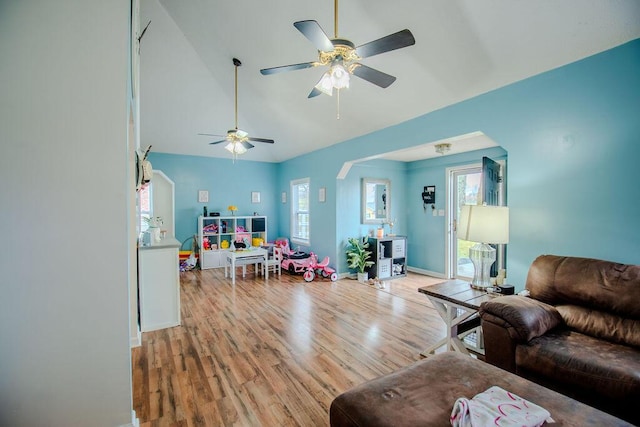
(322, 215)
(349, 214)
(572, 138)
(427, 242)
(228, 183)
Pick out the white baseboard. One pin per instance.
(411, 269)
(135, 422)
(426, 272)
(137, 340)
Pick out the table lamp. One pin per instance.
(483, 224)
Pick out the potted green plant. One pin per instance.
(358, 255)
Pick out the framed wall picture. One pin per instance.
(255, 197)
(322, 195)
(203, 196)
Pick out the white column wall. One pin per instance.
(64, 296)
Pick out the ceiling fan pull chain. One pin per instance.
(338, 102)
(335, 19)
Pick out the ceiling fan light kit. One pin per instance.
(235, 148)
(238, 140)
(342, 56)
(336, 77)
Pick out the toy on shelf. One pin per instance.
(206, 245)
(210, 228)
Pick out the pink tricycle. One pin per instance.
(321, 269)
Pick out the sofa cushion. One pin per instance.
(525, 318)
(601, 325)
(589, 365)
(592, 283)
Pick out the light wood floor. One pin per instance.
(276, 353)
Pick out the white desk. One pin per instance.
(244, 257)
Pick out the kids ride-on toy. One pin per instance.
(321, 269)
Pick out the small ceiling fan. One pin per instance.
(342, 56)
(238, 140)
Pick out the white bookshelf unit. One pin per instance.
(219, 229)
(390, 257)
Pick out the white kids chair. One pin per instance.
(274, 263)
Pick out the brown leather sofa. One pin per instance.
(578, 332)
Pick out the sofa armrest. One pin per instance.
(525, 318)
(511, 320)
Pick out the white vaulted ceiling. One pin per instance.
(463, 49)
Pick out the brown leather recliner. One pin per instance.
(578, 332)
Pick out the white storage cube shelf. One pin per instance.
(214, 230)
(389, 256)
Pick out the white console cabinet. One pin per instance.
(159, 282)
(220, 229)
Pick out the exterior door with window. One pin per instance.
(464, 190)
(471, 185)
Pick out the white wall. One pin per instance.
(64, 298)
(163, 190)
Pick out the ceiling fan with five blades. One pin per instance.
(238, 140)
(342, 57)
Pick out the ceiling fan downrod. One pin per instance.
(237, 63)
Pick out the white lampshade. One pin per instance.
(339, 77)
(485, 224)
(325, 85)
(236, 148)
(336, 77)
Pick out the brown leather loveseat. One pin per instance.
(577, 333)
